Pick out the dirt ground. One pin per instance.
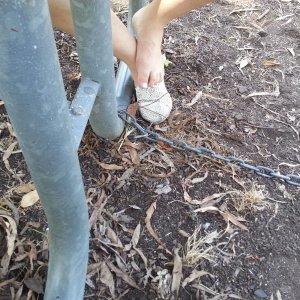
(166, 223)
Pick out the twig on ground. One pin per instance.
(269, 110)
(289, 125)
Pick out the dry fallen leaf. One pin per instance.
(125, 176)
(275, 93)
(7, 155)
(136, 235)
(183, 233)
(176, 275)
(6, 282)
(227, 216)
(135, 207)
(113, 237)
(244, 62)
(207, 200)
(29, 199)
(167, 63)
(270, 63)
(200, 179)
(204, 288)
(25, 188)
(278, 295)
(133, 108)
(134, 156)
(35, 284)
(195, 99)
(149, 214)
(164, 146)
(10, 129)
(194, 275)
(10, 228)
(291, 50)
(143, 257)
(177, 120)
(122, 275)
(107, 278)
(19, 293)
(111, 167)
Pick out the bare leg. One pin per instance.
(144, 57)
(124, 44)
(149, 23)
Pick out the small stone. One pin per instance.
(205, 226)
(242, 89)
(161, 189)
(260, 293)
(239, 117)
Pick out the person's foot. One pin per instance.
(155, 103)
(149, 63)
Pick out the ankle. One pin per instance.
(144, 21)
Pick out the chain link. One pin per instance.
(208, 153)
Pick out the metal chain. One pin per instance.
(208, 153)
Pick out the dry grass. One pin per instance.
(199, 247)
(250, 198)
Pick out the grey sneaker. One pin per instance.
(155, 103)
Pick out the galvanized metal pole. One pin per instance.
(124, 82)
(133, 7)
(32, 89)
(94, 46)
